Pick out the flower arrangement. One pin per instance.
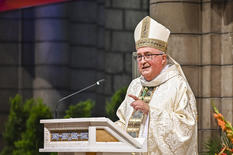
(227, 129)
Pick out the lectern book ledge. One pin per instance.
(98, 134)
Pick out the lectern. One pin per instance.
(89, 136)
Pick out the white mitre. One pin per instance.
(149, 33)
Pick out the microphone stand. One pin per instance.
(77, 92)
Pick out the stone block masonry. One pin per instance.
(120, 22)
(201, 42)
(53, 50)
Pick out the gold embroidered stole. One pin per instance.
(136, 118)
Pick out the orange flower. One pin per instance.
(222, 124)
(226, 127)
(220, 115)
(215, 115)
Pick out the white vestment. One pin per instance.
(172, 125)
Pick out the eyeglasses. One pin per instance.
(147, 56)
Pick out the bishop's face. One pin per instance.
(150, 62)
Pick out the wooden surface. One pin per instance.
(90, 153)
(103, 136)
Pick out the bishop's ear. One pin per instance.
(164, 59)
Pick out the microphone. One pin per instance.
(77, 92)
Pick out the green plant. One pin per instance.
(81, 109)
(213, 145)
(23, 132)
(218, 145)
(112, 105)
(15, 124)
(32, 138)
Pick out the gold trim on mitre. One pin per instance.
(154, 43)
(145, 27)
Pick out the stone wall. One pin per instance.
(53, 50)
(121, 19)
(87, 50)
(201, 41)
(9, 61)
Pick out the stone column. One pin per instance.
(217, 64)
(51, 54)
(201, 41)
(10, 25)
(183, 20)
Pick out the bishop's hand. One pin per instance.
(139, 104)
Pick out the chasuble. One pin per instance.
(171, 124)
